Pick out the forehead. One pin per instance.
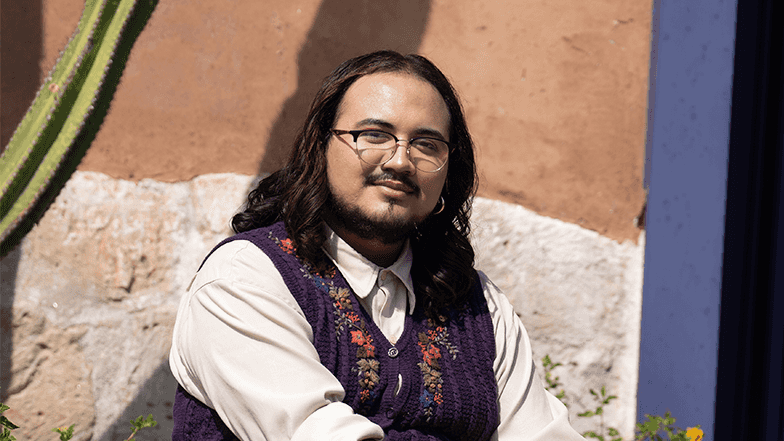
(400, 99)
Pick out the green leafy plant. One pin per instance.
(602, 400)
(7, 425)
(66, 113)
(552, 382)
(650, 430)
(140, 423)
(66, 433)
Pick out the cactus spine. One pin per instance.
(39, 158)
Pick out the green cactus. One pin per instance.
(66, 113)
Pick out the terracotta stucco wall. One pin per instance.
(555, 91)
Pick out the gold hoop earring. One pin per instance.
(442, 203)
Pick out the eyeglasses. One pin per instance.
(376, 147)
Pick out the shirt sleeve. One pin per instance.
(242, 346)
(527, 411)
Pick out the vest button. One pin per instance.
(392, 352)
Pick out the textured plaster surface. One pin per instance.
(88, 300)
(579, 295)
(96, 284)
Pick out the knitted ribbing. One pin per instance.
(448, 390)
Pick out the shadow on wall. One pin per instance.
(8, 268)
(342, 29)
(156, 397)
(20, 54)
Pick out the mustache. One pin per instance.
(372, 179)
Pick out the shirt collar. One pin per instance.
(360, 273)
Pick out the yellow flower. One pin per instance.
(694, 433)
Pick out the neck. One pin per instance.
(374, 249)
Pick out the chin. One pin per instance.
(388, 221)
(395, 211)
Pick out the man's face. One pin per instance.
(385, 201)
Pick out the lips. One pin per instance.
(395, 185)
(398, 183)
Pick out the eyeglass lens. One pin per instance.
(426, 154)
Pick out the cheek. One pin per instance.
(336, 162)
(344, 173)
(433, 187)
(331, 171)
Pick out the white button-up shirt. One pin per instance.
(242, 346)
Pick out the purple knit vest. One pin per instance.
(448, 390)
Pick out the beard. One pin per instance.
(385, 227)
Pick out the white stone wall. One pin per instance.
(579, 295)
(89, 298)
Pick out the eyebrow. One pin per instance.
(422, 131)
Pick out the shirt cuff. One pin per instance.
(337, 421)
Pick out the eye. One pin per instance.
(426, 145)
(375, 136)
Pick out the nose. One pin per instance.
(401, 162)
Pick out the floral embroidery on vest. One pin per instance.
(285, 244)
(367, 365)
(431, 369)
(288, 246)
(347, 319)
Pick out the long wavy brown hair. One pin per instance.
(443, 267)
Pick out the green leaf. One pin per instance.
(651, 426)
(593, 392)
(5, 435)
(592, 434)
(7, 423)
(587, 413)
(612, 431)
(140, 422)
(3, 407)
(599, 410)
(65, 434)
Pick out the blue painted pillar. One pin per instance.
(687, 150)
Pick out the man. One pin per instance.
(347, 307)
